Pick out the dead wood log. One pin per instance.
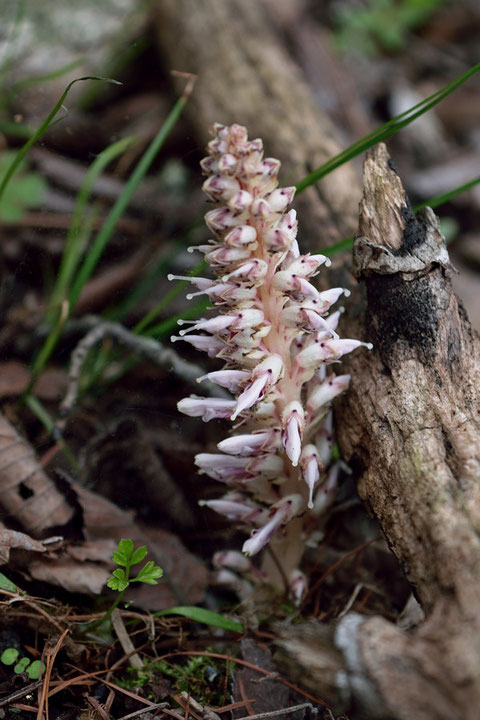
(411, 428)
(245, 76)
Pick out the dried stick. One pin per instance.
(147, 347)
(411, 428)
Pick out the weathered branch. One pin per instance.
(412, 417)
(411, 429)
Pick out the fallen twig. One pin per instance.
(149, 348)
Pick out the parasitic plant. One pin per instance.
(276, 338)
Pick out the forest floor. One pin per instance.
(116, 459)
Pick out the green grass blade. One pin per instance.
(74, 244)
(339, 247)
(122, 202)
(40, 412)
(446, 197)
(385, 131)
(434, 202)
(203, 616)
(46, 124)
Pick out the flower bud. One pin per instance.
(307, 265)
(297, 586)
(211, 345)
(279, 199)
(206, 408)
(220, 187)
(252, 271)
(293, 423)
(221, 219)
(260, 441)
(326, 392)
(230, 379)
(264, 376)
(240, 201)
(241, 236)
(232, 560)
(311, 466)
(281, 513)
(224, 255)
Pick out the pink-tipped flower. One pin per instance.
(238, 508)
(230, 379)
(326, 351)
(311, 466)
(326, 392)
(227, 578)
(293, 423)
(297, 586)
(327, 493)
(241, 236)
(206, 408)
(212, 346)
(264, 376)
(307, 265)
(252, 272)
(233, 560)
(281, 513)
(199, 282)
(230, 467)
(259, 442)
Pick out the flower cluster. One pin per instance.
(276, 338)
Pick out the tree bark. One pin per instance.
(245, 76)
(411, 429)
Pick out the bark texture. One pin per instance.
(245, 76)
(411, 427)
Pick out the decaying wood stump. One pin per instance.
(245, 76)
(411, 428)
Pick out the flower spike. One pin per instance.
(273, 331)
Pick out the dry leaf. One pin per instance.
(13, 539)
(95, 551)
(26, 492)
(85, 578)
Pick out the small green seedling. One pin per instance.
(126, 556)
(24, 665)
